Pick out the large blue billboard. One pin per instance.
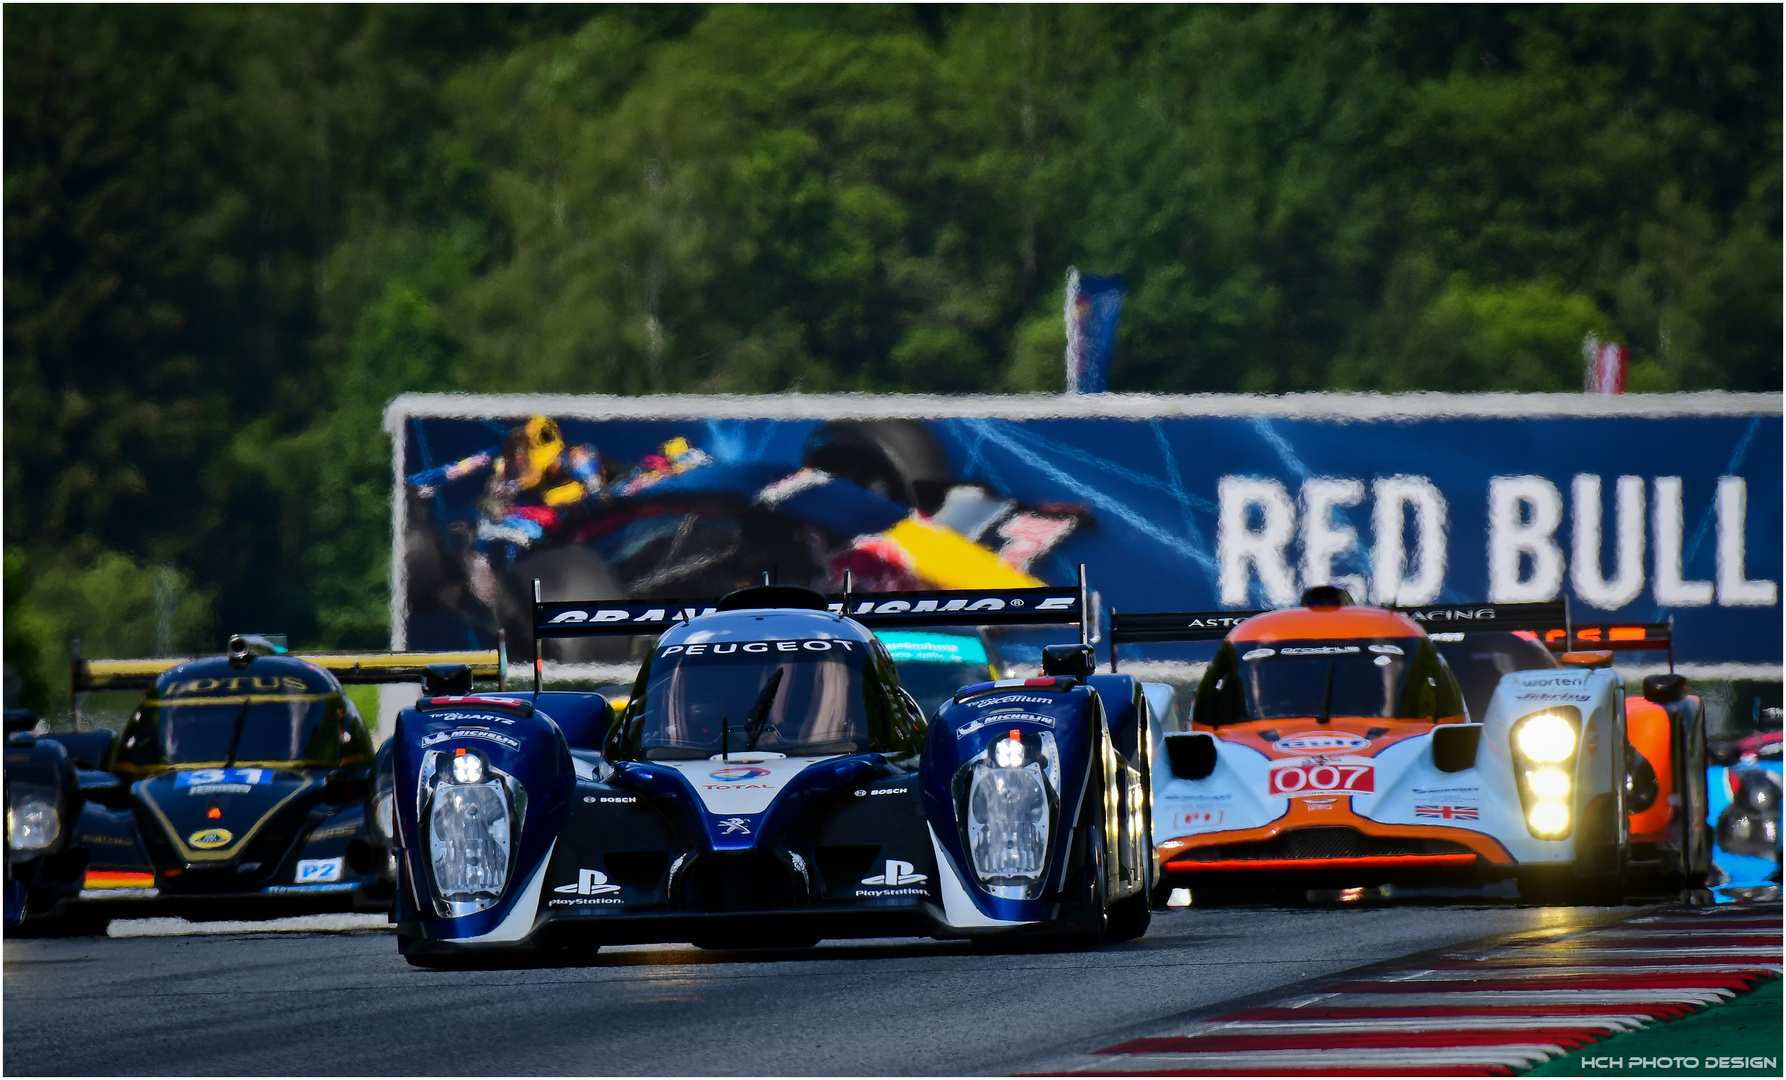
(1637, 508)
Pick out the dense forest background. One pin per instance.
(233, 233)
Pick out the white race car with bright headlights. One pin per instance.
(1330, 746)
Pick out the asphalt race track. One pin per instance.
(345, 1003)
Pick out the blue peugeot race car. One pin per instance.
(771, 782)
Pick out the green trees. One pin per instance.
(234, 233)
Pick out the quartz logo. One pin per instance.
(896, 872)
(589, 883)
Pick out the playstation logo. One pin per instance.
(734, 825)
(896, 873)
(589, 883)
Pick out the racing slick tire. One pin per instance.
(1129, 917)
(1095, 870)
(1561, 886)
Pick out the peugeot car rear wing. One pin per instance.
(1044, 606)
(1189, 626)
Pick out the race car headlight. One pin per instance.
(468, 768)
(470, 828)
(383, 811)
(1548, 818)
(1545, 738)
(1544, 750)
(32, 824)
(1549, 783)
(1009, 811)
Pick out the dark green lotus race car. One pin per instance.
(239, 788)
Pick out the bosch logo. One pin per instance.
(739, 772)
(1320, 743)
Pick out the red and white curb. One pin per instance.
(1492, 1012)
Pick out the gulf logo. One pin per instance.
(1320, 742)
(739, 772)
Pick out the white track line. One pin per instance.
(1510, 1055)
(298, 924)
(1659, 954)
(1640, 996)
(1525, 971)
(1418, 1023)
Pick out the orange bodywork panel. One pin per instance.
(1381, 734)
(1294, 624)
(1648, 729)
(1334, 811)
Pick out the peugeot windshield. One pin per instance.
(799, 698)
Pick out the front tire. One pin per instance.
(1095, 868)
(1129, 917)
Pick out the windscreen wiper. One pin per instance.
(759, 712)
(235, 734)
(1326, 714)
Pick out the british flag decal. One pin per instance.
(1449, 813)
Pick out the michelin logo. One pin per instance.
(462, 733)
(999, 720)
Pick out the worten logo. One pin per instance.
(589, 883)
(896, 873)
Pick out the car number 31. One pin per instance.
(1336, 778)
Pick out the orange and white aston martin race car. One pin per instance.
(1331, 745)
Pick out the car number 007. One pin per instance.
(1322, 779)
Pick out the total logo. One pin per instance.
(1320, 742)
(896, 873)
(738, 773)
(589, 883)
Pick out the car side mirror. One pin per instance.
(1078, 661)
(1190, 755)
(1664, 689)
(446, 680)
